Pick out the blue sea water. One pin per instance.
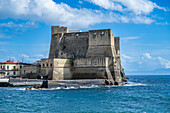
(144, 94)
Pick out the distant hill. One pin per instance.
(162, 71)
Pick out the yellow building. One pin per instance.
(9, 68)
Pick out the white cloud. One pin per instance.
(32, 58)
(80, 2)
(49, 12)
(147, 55)
(164, 62)
(130, 38)
(162, 23)
(39, 55)
(135, 6)
(4, 36)
(127, 57)
(20, 25)
(107, 4)
(142, 19)
(145, 62)
(24, 56)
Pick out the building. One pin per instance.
(94, 54)
(10, 68)
(31, 71)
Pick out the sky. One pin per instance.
(142, 25)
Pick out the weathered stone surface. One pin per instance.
(24, 82)
(83, 55)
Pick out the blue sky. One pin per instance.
(144, 28)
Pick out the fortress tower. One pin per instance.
(83, 55)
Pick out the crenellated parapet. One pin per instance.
(91, 55)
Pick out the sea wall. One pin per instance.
(24, 82)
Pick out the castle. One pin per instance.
(83, 55)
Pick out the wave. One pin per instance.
(134, 84)
(59, 88)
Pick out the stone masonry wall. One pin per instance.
(84, 55)
(82, 44)
(56, 69)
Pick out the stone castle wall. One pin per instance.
(83, 55)
(83, 44)
(69, 45)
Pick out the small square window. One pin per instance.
(94, 35)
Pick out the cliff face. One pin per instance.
(92, 55)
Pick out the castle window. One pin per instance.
(102, 34)
(64, 47)
(47, 64)
(43, 65)
(76, 63)
(94, 35)
(14, 73)
(51, 65)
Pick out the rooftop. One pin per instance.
(11, 62)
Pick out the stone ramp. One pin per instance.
(109, 75)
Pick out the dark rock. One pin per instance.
(116, 83)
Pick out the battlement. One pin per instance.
(94, 54)
(59, 29)
(76, 44)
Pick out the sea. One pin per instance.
(143, 94)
